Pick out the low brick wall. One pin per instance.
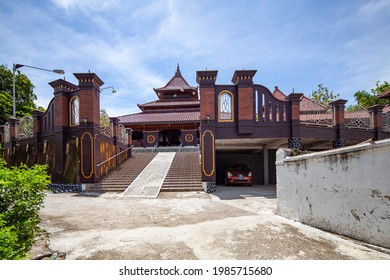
(346, 190)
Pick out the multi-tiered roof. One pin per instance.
(177, 102)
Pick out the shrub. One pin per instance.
(22, 193)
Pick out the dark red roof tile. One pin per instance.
(163, 117)
(176, 83)
(278, 94)
(172, 103)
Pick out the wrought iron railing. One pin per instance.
(315, 113)
(358, 119)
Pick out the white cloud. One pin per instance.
(374, 8)
(135, 45)
(85, 5)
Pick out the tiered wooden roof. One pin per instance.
(178, 103)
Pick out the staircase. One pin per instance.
(120, 178)
(184, 174)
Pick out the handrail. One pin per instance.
(114, 156)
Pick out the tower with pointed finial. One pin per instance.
(171, 120)
(178, 73)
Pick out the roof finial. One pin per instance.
(178, 70)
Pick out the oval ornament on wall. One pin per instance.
(208, 151)
(189, 138)
(151, 139)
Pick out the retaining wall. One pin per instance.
(346, 190)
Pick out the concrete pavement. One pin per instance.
(232, 223)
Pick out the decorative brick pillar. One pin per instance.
(13, 123)
(61, 92)
(243, 79)
(206, 81)
(115, 122)
(37, 117)
(338, 143)
(89, 96)
(376, 120)
(339, 122)
(6, 142)
(130, 136)
(294, 142)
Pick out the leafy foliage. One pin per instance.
(22, 193)
(366, 99)
(24, 94)
(104, 118)
(323, 95)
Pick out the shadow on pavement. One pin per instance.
(238, 192)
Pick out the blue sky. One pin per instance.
(134, 46)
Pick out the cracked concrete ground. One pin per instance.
(232, 223)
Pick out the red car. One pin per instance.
(238, 174)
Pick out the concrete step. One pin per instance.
(184, 174)
(195, 184)
(179, 179)
(120, 178)
(181, 189)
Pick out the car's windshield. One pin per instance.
(237, 167)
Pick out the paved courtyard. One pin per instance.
(232, 223)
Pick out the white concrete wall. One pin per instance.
(345, 190)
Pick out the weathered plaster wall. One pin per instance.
(346, 190)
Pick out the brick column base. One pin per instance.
(294, 143)
(209, 187)
(338, 143)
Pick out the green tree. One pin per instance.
(365, 99)
(104, 118)
(22, 193)
(323, 95)
(24, 94)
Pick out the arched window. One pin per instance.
(74, 111)
(225, 107)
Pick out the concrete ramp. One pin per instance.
(150, 180)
